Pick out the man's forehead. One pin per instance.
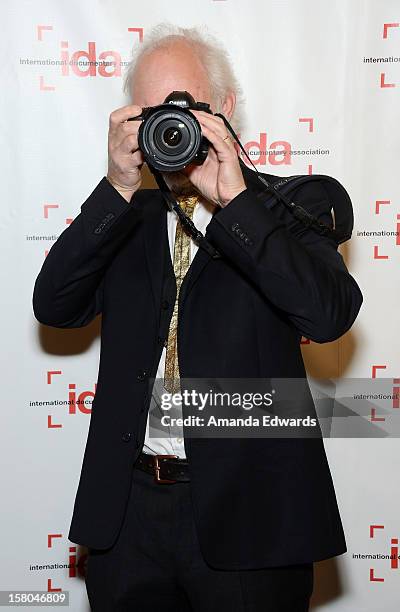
(175, 68)
(154, 91)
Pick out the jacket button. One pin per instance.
(141, 375)
(126, 436)
(165, 304)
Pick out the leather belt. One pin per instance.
(166, 469)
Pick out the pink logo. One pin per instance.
(86, 63)
(277, 154)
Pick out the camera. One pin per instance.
(170, 136)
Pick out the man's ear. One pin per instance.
(229, 104)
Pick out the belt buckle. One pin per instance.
(157, 468)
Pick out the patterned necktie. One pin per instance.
(181, 266)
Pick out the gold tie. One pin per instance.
(181, 266)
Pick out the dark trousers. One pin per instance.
(156, 564)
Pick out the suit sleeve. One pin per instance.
(298, 270)
(69, 287)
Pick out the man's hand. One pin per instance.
(124, 156)
(219, 178)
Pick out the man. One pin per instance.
(239, 521)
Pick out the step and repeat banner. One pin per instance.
(321, 83)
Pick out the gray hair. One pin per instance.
(210, 52)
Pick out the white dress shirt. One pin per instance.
(172, 444)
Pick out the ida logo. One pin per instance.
(393, 556)
(84, 63)
(278, 153)
(77, 403)
(77, 564)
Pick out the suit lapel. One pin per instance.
(157, 245)
(201, 259)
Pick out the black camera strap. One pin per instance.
(341, 203)
(186, 221)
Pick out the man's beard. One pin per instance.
(179, 183)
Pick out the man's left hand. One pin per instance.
(220, 177)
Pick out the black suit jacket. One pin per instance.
(257, 502)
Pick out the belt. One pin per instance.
(166, 469)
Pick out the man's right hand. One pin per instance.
(124, 156)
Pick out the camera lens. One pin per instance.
(172, 136)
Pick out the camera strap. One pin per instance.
(186, 221)
(341, 202)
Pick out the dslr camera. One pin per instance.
(170, 136)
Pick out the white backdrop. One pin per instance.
(304, 70)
